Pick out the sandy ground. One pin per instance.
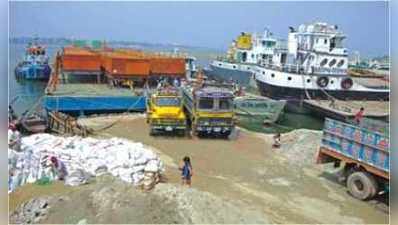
(267, 185)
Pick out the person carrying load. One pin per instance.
(58, 167)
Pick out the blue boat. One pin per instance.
(34, 65)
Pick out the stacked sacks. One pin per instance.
(82, 157)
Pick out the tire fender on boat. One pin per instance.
(322, 82)
(346, 83)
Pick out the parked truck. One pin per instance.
(165, 111)
(364, 153)
(209, 109)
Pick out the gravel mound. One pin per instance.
(200, 207)
(300, 146)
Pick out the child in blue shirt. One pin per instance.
(186, 171)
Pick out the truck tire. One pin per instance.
(362, 185)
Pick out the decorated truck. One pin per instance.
(209, 109)
(165, 111)
(364, 152)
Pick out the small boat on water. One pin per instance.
(259, 108)
(34, 65)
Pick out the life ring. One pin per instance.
(322, 82)
(347, 83)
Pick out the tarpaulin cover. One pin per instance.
(80, 59)
(168, 66)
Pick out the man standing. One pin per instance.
(358, 117)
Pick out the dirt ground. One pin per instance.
(267, 185)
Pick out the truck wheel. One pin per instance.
(362, 185)
(226, 134)
(181, 133)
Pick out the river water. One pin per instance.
(29, 92)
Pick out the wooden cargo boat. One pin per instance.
(259, 108)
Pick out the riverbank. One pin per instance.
(245, 179)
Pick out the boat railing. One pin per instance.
(289, 68)
(323, 70)
(295, 68)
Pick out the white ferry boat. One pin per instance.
(313, 65)
(244, 54)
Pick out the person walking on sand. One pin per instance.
(186, 171)
(277, 140)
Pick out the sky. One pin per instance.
(205, 24)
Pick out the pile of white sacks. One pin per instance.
(82, 157)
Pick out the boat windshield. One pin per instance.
(168, 101)
(225, 104)
(206, 103)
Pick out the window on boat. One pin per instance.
(167, 101)
(332, 43)
(323, 62)
(263, 72)
(206, 103)
(272, 75)
(331, 63)
(234, 67)
(269, 44)
(225, 103)
(326, 41)
(308, 80)
(332, 81)
(252, 56)
(244, 56)
(219, 64)
(289, 78)
(261, 105)
(341, 63)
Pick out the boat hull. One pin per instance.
(225, 73)
(33, 72)
(293, 86)
(297, 94)
(84, 105)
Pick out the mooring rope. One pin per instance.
(91, 131)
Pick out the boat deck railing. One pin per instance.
(299, 69)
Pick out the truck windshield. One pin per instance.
(206, 103)
(225, 104)
(168, 101)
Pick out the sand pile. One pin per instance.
(300, 146)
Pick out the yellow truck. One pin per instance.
(209, 109)
(165, 111)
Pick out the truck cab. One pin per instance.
(210, 110)
(165, 111)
